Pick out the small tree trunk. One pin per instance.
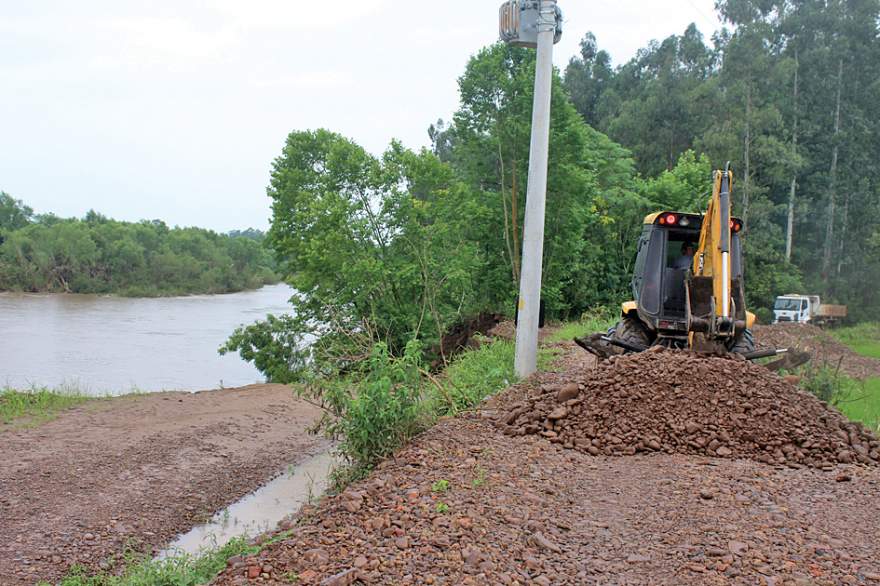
(789, 232)
(747, 159)
(843, 231)
(510, 251)
(514, 199)
(832, 191)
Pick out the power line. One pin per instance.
(703, 14)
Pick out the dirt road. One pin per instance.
(137, 471)
(467, 504)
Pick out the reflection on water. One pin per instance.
(261, 510)
(115, 345)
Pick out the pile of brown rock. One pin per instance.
(679, 402)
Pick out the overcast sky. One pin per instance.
(175, 109)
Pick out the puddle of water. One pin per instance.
(261, 510)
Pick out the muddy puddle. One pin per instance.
(261, 510)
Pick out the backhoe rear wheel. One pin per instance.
(744, 344)
(632, 331)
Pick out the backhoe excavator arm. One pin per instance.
(711, 314)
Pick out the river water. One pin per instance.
(115, 345)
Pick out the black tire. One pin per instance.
(744, 344)
(633, 332)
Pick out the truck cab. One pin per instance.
(794, 308)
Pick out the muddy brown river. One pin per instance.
(102, 344)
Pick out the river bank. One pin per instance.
(132, 473)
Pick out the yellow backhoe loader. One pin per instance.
(688, 287)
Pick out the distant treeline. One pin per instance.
(45, 253)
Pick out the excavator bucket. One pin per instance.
(603, 347)
(598, 345)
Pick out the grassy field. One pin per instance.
(863, 338)
(37, 405)
(860, 401)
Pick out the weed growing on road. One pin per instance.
(480, 480)
(39, 405)
(440, 486)
(442, 508)
(178, 570)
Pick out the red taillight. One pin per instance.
(671, 219)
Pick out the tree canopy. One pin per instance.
(788, 94)
(95, 254)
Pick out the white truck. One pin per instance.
(806, 309)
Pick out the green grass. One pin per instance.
(37, 405)
(476, 374)
(861, 402)
(863, 338)
(590, 323)
(178, 570)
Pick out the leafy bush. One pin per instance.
(826, 383)
(764, 315)
(273, 345)
(385, 409)
(384, 401)
(858, 400)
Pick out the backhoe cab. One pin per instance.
(683, 302)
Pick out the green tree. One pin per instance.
(590, 179)
(100, 255)
(13, 214)
(686, 188)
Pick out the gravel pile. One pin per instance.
(678, 402)
(465, 504)
(824, 348)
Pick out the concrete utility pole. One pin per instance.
(546, 26)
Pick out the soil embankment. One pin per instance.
(694, 488)
(823, 348)
(137, 471)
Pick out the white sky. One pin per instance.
(175, 109)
